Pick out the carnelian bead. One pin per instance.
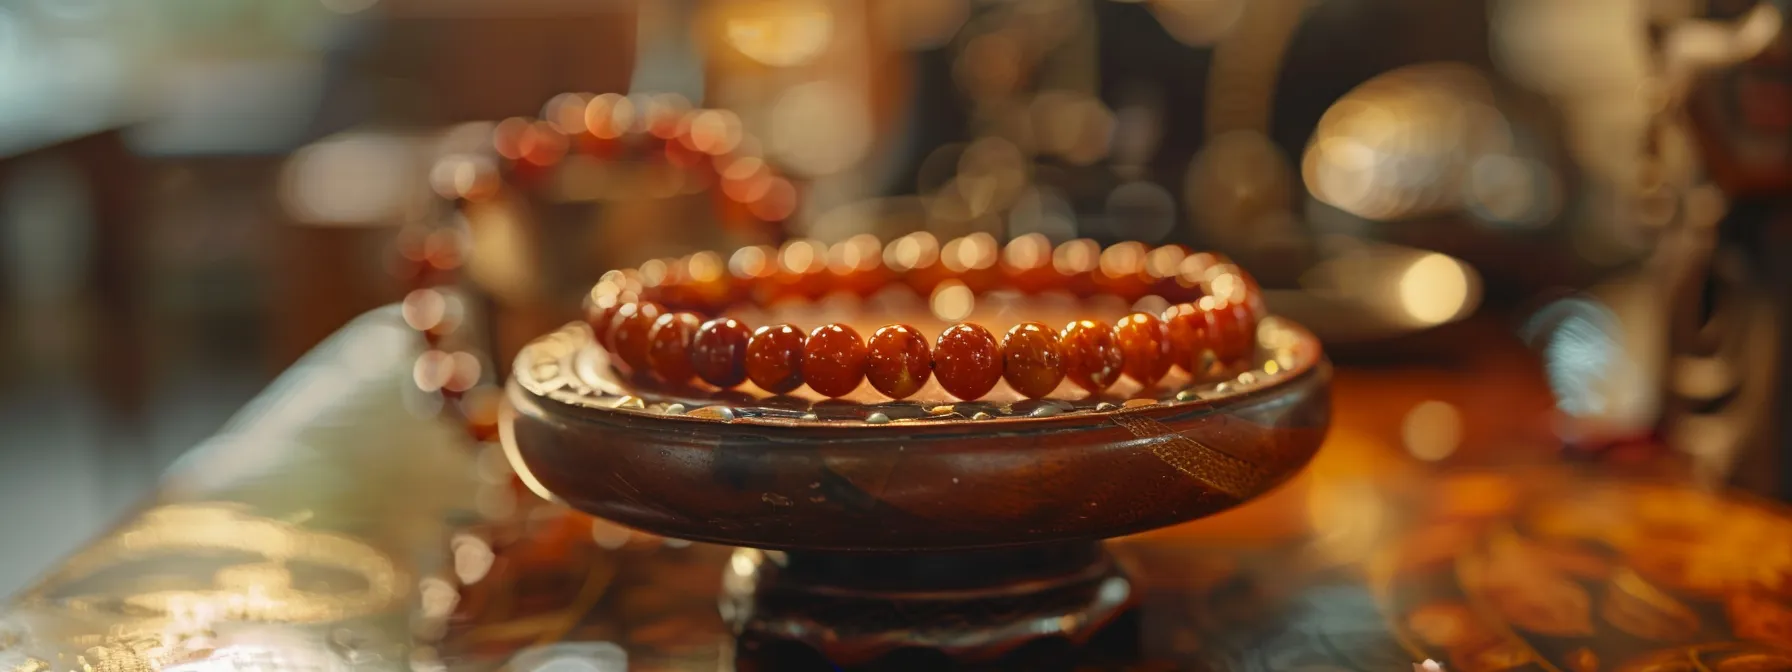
(719, 352)
(628, 333)
(967, 361)
(1144, 347)
(834, 360)
(1091, 355)
(1032, 360)
(900, 361)
(669, 346)
(1232, 328)
(775, 358)
(1191, 337)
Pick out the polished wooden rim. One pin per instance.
(904, 476)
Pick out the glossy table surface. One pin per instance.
(333, 527)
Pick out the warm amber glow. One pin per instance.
(715, 131)
(1432, 430)
(746, 179)
(507, 137)
(1162, 262)
(1401, 145)
(1030, 251)
(566, 112)
(802, 256)
(609, 116)
(1074, 126)
(461, 176)
(1123, 259)
(752, 262)
(1435, 289)
(541, 144)
(1076, 256)
(654, 272)
(973, 252)
(779, 33)
(705, 267)
(858, 253)
(1227, 286)
(661, 114)
(778, 202)
(952, 301)
(820, 128)
(915, 250)
(423, 309)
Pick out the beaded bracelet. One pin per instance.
(652, 318)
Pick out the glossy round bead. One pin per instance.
(1144, 347)
(775, 358)
(1091, 354)
(719, 352)
(900, 361)
(669, 346)
(628, 333)
(1191, 337)
(1233, 329)
(834, 360)
(967, 361)
(1032, 360)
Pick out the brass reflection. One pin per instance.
(284, 573)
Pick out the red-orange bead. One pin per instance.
(669, 346)
(967, 361)
(900, 361)
(1233, 329)
(834, 360)
(628, 333)
(1144, 347)
(1191, 337)
(1032, 361)
(719, 352)
(775, 358)
(1091, 354)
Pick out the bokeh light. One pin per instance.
(779, 33)
(349, 180)
(1432, 430)
(1402, 144)
(819, 128)
(913, 251)
(1436, 289)
(952, 301)
(1076, 127)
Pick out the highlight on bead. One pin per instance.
(1032, 360)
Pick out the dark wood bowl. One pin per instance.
(803, 474)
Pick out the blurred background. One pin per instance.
(192, 194)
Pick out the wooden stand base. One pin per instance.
(855, 610)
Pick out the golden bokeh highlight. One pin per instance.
(1436, 289)
(779, 33)
(952, 301)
